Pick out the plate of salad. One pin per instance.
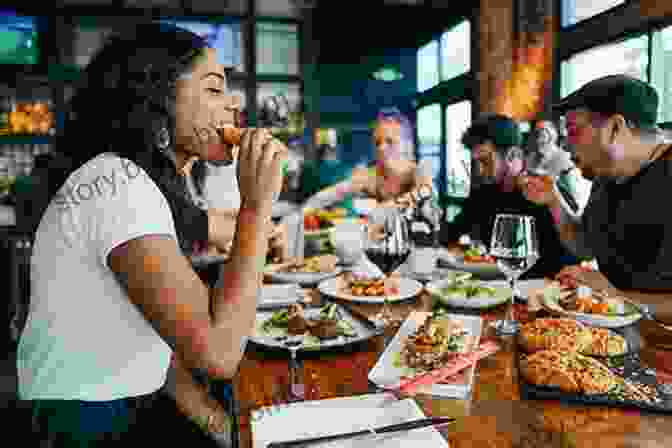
(470, 293)
(310, 328)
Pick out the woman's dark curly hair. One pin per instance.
(126, 97)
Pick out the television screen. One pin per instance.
(226, 38)
(18, 39)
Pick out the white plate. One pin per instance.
(277, 337)
(302, 278)
(502, 294)
(387, 373)
(483, 270)
(274, 296)
(408, 288)
(550, 301)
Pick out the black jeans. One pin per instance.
(152, 418)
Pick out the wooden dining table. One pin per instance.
(494, 415)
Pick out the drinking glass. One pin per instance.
(515, 246)
(388, 249)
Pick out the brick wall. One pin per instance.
(496, 40)
(516, 58)
(655, 8)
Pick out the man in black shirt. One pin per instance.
(612, 125)
(494, 143)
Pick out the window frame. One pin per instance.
(573, 39)
(463, 87)
(564, 7)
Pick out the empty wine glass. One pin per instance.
(388, 247)
(515, 247)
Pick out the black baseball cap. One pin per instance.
(636, 100)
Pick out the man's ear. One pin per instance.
(616, 124)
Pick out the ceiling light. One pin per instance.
(388, 74)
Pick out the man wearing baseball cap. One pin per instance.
(494, 141)
(611, 122)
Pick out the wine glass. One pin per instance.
(515, 247)
(387, 246)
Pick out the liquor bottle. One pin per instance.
(424, 219)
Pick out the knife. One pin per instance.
(407, 426)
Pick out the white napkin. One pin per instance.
(340, 415)
(367, 267)
(295, 238)
(278, 295)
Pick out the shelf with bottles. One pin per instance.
(26, 117)
(17, 160)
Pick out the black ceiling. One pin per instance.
(347, 34)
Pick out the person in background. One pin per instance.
(549, 167)
(325, 171)
(111, 229)
(611, 124)
(494, 144)
(395, 174)
(31, 193)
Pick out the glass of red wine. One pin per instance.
(515, 246)
(388, 246)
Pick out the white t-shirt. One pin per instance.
(84, 339)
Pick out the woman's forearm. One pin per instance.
(234, 301)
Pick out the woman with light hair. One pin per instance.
(395, 174)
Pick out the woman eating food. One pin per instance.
(122, 298)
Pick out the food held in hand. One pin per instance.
(230, 135)
(568, 371)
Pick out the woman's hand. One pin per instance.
(260, 170)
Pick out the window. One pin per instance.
(428, 66)
(87, 41)
(219, 7)
(275, 112)
(429, 138)
(574, 11)
(277, 49)
(629, 56)
(227, 39)
(456, 51)
(458, 158)
(661, 71)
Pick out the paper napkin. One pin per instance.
(340, 415)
